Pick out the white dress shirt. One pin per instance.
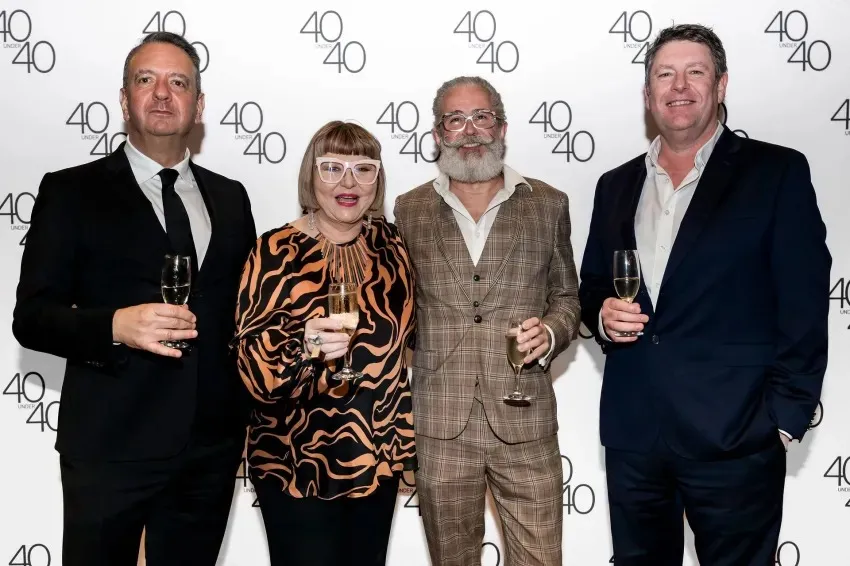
(146, 171)
(475, 233)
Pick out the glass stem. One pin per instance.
(516, 379)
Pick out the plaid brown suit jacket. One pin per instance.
(525, 270)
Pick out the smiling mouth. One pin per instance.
(347, 200)
(677, 103)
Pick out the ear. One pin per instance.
(125, 104)
(646, 97)
(721, 87)
(199, 111)
(436, 135)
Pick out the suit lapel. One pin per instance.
(451, 244)
(208, 190)
(137, 204)
(503, 237)
(710, 190)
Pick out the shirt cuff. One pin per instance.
(602, 332)
(545, 359)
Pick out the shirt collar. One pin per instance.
(700, 159)
(512, 181)
(144, 168)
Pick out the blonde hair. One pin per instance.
(343, 138)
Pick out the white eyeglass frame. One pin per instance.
(348, 165)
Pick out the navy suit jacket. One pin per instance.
(736, 346)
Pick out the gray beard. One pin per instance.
(472, 169)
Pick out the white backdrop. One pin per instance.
(274, 72)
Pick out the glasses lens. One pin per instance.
(331, 171)
(483, 120)
(454, 122)
(365, 173)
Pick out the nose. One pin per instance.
(468, 128)
(161, 91)
(680, 82)
(348, 179)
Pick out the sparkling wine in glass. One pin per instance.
(175, 284)
(342, 306)
(627, 279)
(515, 359)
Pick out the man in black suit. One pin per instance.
(149, 436)
(732, 304)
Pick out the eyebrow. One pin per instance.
(151, 72)
(693, 64)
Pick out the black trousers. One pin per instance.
(733, 506)
(316, 532)
(182, 503)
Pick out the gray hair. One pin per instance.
(688, 32)
(496, 104)
(172, 39)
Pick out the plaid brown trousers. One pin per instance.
(526, 269)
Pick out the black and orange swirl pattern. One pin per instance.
(319, 437)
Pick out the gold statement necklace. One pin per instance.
(346, 262)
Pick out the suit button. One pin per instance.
(477, 318)
(475, 303)
(655, 339)
(476, 277)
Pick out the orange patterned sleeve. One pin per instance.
(268, 340)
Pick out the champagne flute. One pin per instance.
(515, 359)
(627, 279)
(342, 306)
(175, 284)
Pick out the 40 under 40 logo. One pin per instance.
(635, 27)
(93, 120)
(327, 27)
(174, 22)
(28, 390)
(579, 499)
(243, 477)
(247, 120)
(480, 31)
(843, 115)
(556, 118)
(791, 29)
(403, 120)
(840, 292)
(31, 555)
(838, 470)
(16, 31)
(18, 207)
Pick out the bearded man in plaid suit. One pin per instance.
(487, 246)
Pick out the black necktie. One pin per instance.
(176, 220)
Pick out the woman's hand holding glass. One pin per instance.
(322, 336)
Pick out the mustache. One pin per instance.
(463, 140)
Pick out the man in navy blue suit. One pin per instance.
(698, 410)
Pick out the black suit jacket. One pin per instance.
(736, 346)
(95, 245)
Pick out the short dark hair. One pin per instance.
(688, 32)
(170, 38)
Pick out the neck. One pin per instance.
(168, 151)
(681, 147)
(336, 232)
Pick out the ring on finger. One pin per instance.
(315, 340)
